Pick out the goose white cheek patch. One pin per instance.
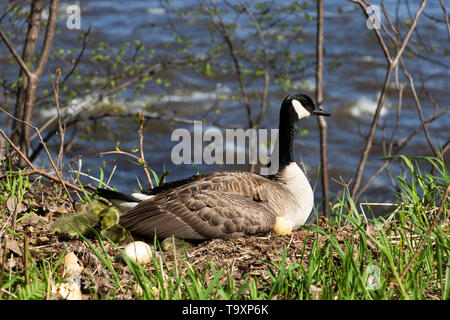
(300, 109)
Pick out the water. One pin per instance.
(354, 69)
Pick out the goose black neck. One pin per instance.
(286, 140)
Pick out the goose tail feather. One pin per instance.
(121, 200)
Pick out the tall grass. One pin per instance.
(367, 263)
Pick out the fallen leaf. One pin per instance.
(31, 220)
(13, 246)
(13, 206)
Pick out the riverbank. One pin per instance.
(341, 257)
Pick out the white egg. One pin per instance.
(139, 252)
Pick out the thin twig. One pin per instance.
(163, 176)
(17, 149)
(418, 106)
(111, 175)
(400, 145)
(392, 63)
(77, 60)
(8, 293)
(224, 31)
(11, 7)
(446, 17)
(427, 235)
(64, 183)
(49, 280)
(26, 252)
(16, 55)
(46, 151)
(61, 129)
(2, 272)
(265, 92)
(141, 147)
(265, 61)
(34, 170)
(97, 96)
(48, 38)
(90, 177)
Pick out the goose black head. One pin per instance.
(298, 106)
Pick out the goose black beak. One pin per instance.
(320, 112)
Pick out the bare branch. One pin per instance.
(60, 126)
(77, 60)
(266, 63)
(321, 120)
(223, 29)
(11, 7)
(24, 157)
(446, 17)
(48, 38)
(364, 4)
(147, 115)
(46, 151)
(392, 63)
(141, 147)
(410, 31)
(400, 145)
(34, 170)
(419, 107)
(16, 55)
(98, 95)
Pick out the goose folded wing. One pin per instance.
(206, 214)
(168, 186)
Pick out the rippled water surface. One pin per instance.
(354, 70)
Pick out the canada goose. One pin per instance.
(228, 204)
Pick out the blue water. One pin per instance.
(354, 67)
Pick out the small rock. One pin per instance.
(43, 240)
(66, 291)
(70, 288)
(71, 265)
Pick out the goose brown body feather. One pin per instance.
(213, 205)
